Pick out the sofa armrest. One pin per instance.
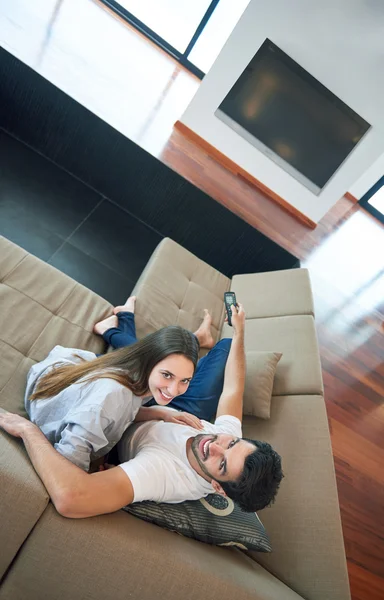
(23, 498)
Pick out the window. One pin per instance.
(373, 200)
(192, 31)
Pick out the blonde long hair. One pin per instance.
(131, 366)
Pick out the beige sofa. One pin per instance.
(116, 557)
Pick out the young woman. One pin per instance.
(203, 393)
(84, 403)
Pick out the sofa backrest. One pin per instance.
(175, 287)
(40, 307)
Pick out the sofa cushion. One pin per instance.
(23, 498)
(51, 309)
(261, 368)
(304, 523)
(113, 557)
(299, 370)
(213, 520)
(274, 294)
(175, 287)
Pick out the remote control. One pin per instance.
(229, 299)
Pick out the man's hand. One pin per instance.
(238, 318)
(14, 424)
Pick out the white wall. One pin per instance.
(340, 42)
(368, 179)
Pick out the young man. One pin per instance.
(165, 462)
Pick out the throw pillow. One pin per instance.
(261, 368)
(213, 520)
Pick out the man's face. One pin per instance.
(221, 457)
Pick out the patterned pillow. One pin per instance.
(213, 520)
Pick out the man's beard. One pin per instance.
(195, 449)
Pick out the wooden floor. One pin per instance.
(345, 256)
(345, 253)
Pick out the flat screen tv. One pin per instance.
(291, 117)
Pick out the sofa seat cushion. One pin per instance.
(299, 369)
(274, 294)
(115, 557)
(50, 308)
(175, 287)
(304, 523)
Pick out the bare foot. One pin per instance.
(102, 326)
(203, 334)
(129, 306)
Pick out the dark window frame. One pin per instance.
(364, 201)
(181, 57)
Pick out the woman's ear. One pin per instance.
(217, 487)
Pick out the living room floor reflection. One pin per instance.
(64, 222)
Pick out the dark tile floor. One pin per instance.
(62, 221)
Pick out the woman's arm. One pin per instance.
(154, 413)
(167, 414)
(74, 493)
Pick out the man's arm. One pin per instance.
(75, 493)
(231, 399)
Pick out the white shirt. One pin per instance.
(157, 462)
(85, 420)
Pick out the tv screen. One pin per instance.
(294, 118)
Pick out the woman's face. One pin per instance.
(170, 378)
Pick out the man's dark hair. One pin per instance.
(258, 484)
